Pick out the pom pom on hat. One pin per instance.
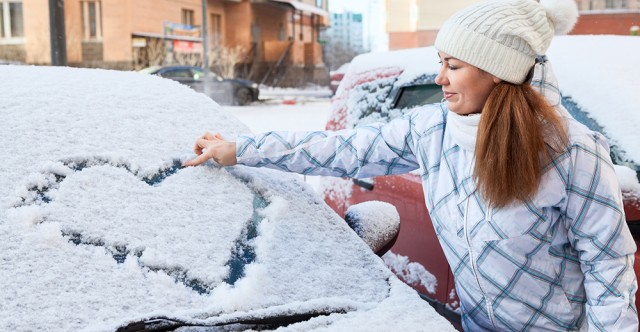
(563, 14)
(504, 37)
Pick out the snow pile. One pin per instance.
(100, 226)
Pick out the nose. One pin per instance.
(441, 79)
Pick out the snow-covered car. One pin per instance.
(597, 91)
(101, 229)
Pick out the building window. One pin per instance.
(608, 4)
(216, 28)
(187, 17)
(11, 23)
(319, 3)
(616, 4)
(91, 20)
(281, 33)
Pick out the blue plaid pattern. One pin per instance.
(561, 261)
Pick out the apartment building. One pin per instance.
(276, 37)
(347, 29)
(415, 23)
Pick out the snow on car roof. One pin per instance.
(599, 72)
(413, 62)
(99, 225)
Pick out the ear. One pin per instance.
(496, 80)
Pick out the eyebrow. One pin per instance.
(447, 58)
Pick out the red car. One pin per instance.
(337, 76)
(382, 86)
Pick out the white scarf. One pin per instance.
(463, 129)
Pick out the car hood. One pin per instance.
(100, 227)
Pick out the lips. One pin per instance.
(448, 95)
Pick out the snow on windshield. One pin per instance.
(100, 226)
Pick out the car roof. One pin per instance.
(100, 227)
(600, 74)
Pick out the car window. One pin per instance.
(197, 74)
(177, 73)
(418, 95)
(370, 101)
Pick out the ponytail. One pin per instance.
(511, 150)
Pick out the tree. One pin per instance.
(223, 59)
(338, 53)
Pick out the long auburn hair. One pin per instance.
(517, 133)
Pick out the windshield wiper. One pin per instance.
(160, 324)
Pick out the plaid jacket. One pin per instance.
(562, 261)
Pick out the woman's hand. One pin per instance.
(213, 146)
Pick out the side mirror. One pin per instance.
(376, 223)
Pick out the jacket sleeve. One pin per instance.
(597, 229)
(371, 150)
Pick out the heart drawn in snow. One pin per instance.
(191, 223)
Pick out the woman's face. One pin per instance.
(465, 87)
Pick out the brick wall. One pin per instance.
(609, 23)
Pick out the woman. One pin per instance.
(524, 199)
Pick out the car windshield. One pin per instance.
(100, 226)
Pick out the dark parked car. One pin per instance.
(381, 86)
(224, 91)
(101, 229)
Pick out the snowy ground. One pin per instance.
(309, 113)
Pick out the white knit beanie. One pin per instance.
(503, 37)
